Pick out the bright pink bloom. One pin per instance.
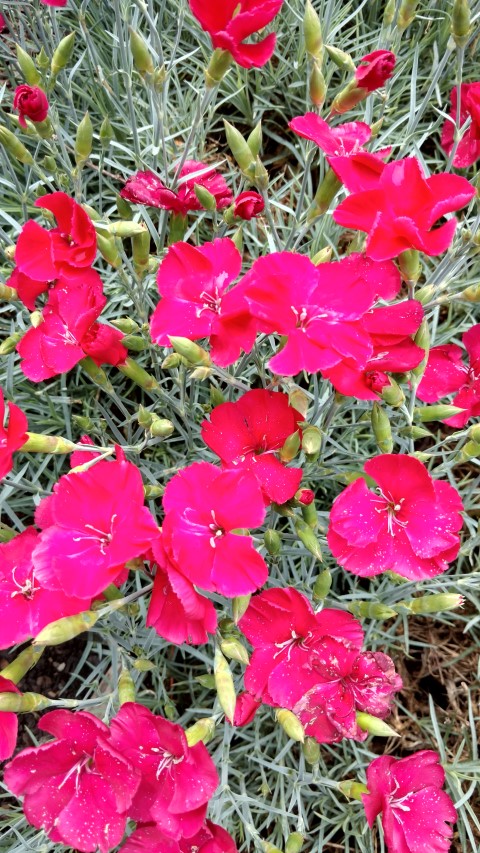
(246, 707)
(80, 457)
(246, 435)
(31, 102)
(198, 303)
(26, 605)
(95, 522)
(343, 145)
(177, 611)
(13, 436)
(78, 787)
(375, 69)
(148, 838)
(229, 23)
(468, 149)
(409, 524)
(177, 780)
(305, 497)
(407, 792)
(54, 2)
(447, 373)
(146, 188)
(3, 23)
(8, 722)
(204, 506)
(42, 254)
(321, 318)
(248, 204)
(283, 628)
(29, 289)
(347, 681)
(401, 212)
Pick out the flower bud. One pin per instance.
(311, 751)
(309, 513)
(294, 842)
(141, 57)
(153, 491)
(8, 294)
(382, 429)
(96, 374)
(206, 199)
(27, 67)
(233, 649)
(108, 249)
(341, 59)
(298, 400)
(23, 703)
(37, 443)
(470, 450)
(19, 667)
(240, 150)
(138, 375)
(83, 140)
(201, 732)
(371, 609)
(308, 538)
(474, 432)
(460, 22)
(66, 629)
(159, 77)
(144, 665)
(325, 194)
(348, 98)
(267, 847)
(312, 31)
(472, 293)
(317, 88)
(374, 726)
(324, 256)
(161, 427)
(173, 360)
(393, 394)
(217, 67)
(290, 724)
(239, 606)
(62, 54)
(193, 353)
(237, 239)
(290, 447)
(126, 687)
(14, 147)
(134, 343)
(436, 603)
(352, 789)
(224, 685)
(260, 177)
(216, 396)
(322, 585)
(126, 325)
(439, 412)
(8, 345)
(126, 229)
(311, 441)
(254, 140)
(106, 133)
(389, 13)
(144, 417)
(406, 14)
(273, 543)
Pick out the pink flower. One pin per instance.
(42, 254)
(343, 145)
(54, 2)
(146, 188)
(375, 69)
(289, 295)
(8, 722)
(407, 792)
(204, 506)
(29, 289)
(177, 780)
(401, 212)
(78, 787)
(148, 838)
(177, 611)
(246, 707)
(229, 23)
(13, 436)
(80, 457)
(248, 204)
(94, 522)
(446, 373)
(246, 434)
(3, 23)
(198, 303)
(283, 628)
(409, 524)
(26, 605)
(347, 681)
(468, 149)
(31, 102)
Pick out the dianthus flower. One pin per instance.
(248, 204)
(205, 507)
(407, 792)
(198, 303)
(31, 102)
(408, 524)
(8, 722)
(13, 436)
(229, 23)
(447, 373)
(468, 149)
(321, 318)
(375, 69)
(246, 435)
(29, 289)
(78, 787)
(94, 523)
(54, 2)
(146, 188)
(400, 213)
(43, 254)
(177, 780)
(148, 838)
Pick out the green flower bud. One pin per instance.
(270, 848)
(216, 396)
(126, 229)
(439, 412)
(153, 491)
(63, 54)
(371, 609)
(254, 140)
(425, 294)
(125, 211)
(224, 685)
(260, 177)
(8, 345)
(42, 60)
(393, 394)
(237, 239)
(294, 842)
(409, 263)
(471, 294)
(206, 680)
(141, 57)
(240, 150)
(19, 667)
(317, 88)
(374, 725)
(161, 427)
(311, 751)
(144, 417)
(27, 67)
(324, 195)
(299, 400)
(173, 360)
(352, 789)
(135, 343)
(159, 77)
(436, 603)
(106, 133)
(341, 59)
(312, 31)
(239, 606)
(233, 649)
(470, 450)
(406, 14)
(217, 67)
(322, 585)
(126, 687)
(206, 199)
(138, 375)
(290, 724)
(23, 703)
(474, 432)
(290, 447)
(382, 429)
(14, 147)
(144, 665)
(126, 325)
(8, 294)
(83, 140)
(308, 538)
(141, 252)
(389, 13)
(311, 440)
(194, 353)
(178, 226)
(96, 374)
(324, 256)
(66, 629)
(201, 732)
(461, 22)
(37, 443)
(348, 98)
(273, 543)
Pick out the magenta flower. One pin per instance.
(375, 69)
(146, 188)
(177, 611)
(8, 722)
(343, 145)
(408, 525)
(29, 289)
(283, 629)
(54, 2)
(148, 838)
(407, 792)
(468, 149)
(31, 102)
(246, 434)
(26, 605)
(204, 508)
(94, 522)
(198, 303)
(78, 787)
(13, 436)
(248, 205)
(322, 321)
(177, 780)
(400, 213)
(246, 707)
(447, 373)
(229, 23)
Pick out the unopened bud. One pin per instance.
(23, 703)
(96, 374)
(439, 412)
(382, 429)
(322, 585)
(371, 609)
(37, 443)
(260, 177)
(406, 14)
(474, 432)
(126, 229)
(341, 59)
(84, 140)
(216, 396)
(254, 140)
(470, 450)
(66, 629)
(159, 77)
(436, 603)
(290, 724)
(291, 447)
(193, 353)
(352, 789)
(217, 67)
(174, 359)
(308, 538)
(425, 294)
(273, 543)
(126, 687)
(239, 606)
(144, 417)
(201, 732)
(63, 54)
(312, 31)
(106, 133)
(206, 199)
(267, 847)
(233, 649)
(138, 375)
(471, 294)
(134, 343)
(27, 67)
(108, 249)
(389, 13)
(240, 150)
(299, 400)
(161, 427)
(144, 665)
(317, 86)
(311, 441)
(374, 726)
(461, 22)
(14, 147)
(237, 239)
(19, 667)
(409, 263)
(325, 194)
(311, 751)
(141, 252)
(393, 394)
(141, 56)
(324, 256)
(309, 513)
(8, 294)
(224, 685)
(125, 325)
(294, 842)
(348, 98)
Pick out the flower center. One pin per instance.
(391, 508)
(217, 531)
(27, 588)
(304, 317)
(83, 763)
(103, 538)
(296, 641)
(210, 302)
(167, 760)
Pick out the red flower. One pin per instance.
(94, 522)
(8, 722)
(229, 23)
(446, 373)
(343, 145)
(3, 23)
(146, 188)
(198, 303)
(54, 2)
(13, 436)
(246, 707)
(407, 792)
(375, 69)
(32, 102)
(148, 838)
(42, 254)
(204, 506)
(177, 779)
(408, 525)
(78, 787)
(468, 149)
(246, 435)
(248, 204)
(401, 212)
(29, 289)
